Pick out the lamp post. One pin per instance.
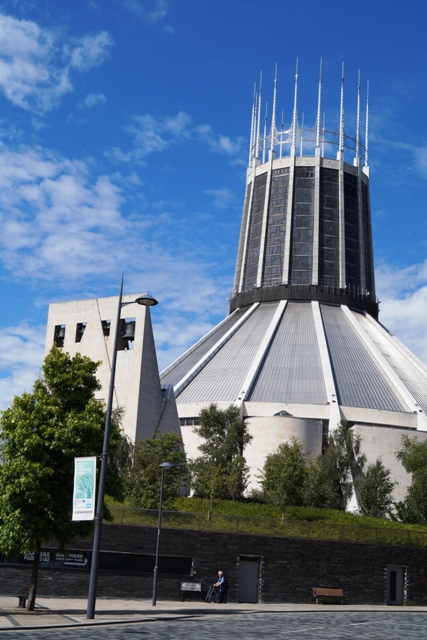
(164, 466)
(147, 301)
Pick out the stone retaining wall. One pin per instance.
(289, 568)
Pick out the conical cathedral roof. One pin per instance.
(305, 357)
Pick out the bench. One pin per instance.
(333, 596)
(193, 590)
(22, 598)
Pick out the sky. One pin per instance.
(124, 136)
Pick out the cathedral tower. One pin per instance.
(302, 348)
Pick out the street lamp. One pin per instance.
(164, 467)
(147, 301)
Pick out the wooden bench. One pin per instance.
(333, 596)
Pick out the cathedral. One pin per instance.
(302, 347)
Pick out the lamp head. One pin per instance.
(166, 465)
(146, 300)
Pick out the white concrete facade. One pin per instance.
(88, 327)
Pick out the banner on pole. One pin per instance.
(84, 488)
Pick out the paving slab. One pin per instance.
(70, 612)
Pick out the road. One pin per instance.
(369, 625)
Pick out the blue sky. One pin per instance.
(124, 142)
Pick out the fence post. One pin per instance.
(308, 530)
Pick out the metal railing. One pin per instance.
(272, 527)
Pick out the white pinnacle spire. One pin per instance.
(341, 142)
(294, 115)
(265, 133)
(273, 115)
(302, 135)
(357, 160)
(259, 117)
(281, 132)
(323, 135)
(251, 143)
(367, 127)
(319, 108)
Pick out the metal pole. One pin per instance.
(159, 526)
(90, 614)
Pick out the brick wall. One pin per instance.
(289, 567)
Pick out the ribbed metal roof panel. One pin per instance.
(411, 376)
(359, 380)
(292, 369)
(221, 379)
(174, 373)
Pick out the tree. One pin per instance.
(41, 433)
(413, 456)
(342, 464)
(238, 477)
(317, 488)
(284, 475)
(222, 431)
(221, 470)
(376, 491)
(145, 474)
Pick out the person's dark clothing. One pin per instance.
(223, 589)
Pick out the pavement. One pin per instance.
(71, 612)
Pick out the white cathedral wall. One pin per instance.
(269, 432)
(384, 442)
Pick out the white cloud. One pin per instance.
(31, 75)
(219, 143)
(420, 154)
(403, 304)
(151, 12)
(90, 51)
(56, 219)
(92, 99)
(222, 198)
(21, 357)
(151, 134)
(63, 223)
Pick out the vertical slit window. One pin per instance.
(254, 239)
(329, 228)
(352, 236)
(302, 228)
(276, 227)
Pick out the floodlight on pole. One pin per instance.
(147, 301)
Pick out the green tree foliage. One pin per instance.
(221, 470)
(290, 479)
(238, 477)
(318, 490)
(413, 456)
(376, 490)
(284, 476)
(41, 433)
(342, 463)
(145, 474)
